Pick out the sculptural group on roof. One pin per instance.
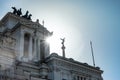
(19, 13)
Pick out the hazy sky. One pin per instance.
(79, 21)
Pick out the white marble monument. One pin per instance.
(24, 53)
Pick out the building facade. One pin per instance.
(25, 55)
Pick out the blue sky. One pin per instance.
(79, 21)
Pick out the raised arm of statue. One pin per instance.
(63, 40)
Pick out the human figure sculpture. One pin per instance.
(26, 14)
(19, 12)
(63, 40)
(14, 10)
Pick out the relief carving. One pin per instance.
(9, 42)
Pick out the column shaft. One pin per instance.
(21, 45)
(38, 54)
(35, 53)
(30, 48)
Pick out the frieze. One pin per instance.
(37, 26)
(28, 23)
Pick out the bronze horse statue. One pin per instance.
(29, 17)
(26, 14)
(19, 13)
(14, 10)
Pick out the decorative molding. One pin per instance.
(74, 68)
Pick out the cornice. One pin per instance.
(55, 57)
(25, 22)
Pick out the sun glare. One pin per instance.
(48, 40)
(54, 44)
(61, 28)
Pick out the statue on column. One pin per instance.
(63, 40)
(63, 46)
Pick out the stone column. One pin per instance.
(47, 50)
(30, 48)
(38, 54)
(21, 45)
(35, 50)
(42, 52)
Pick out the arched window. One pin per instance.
(26, 44)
